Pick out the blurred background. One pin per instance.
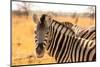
(23, 43)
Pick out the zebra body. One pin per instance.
(61, 42)
(67, 43)
(72, 49)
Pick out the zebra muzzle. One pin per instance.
(40, 50)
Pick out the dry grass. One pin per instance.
(23, 45)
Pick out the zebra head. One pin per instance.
(41, 30)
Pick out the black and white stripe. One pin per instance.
(74, 27)
(87, 33)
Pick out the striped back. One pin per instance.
(87, 33)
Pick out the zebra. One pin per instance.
(87, 33)
(61, 43)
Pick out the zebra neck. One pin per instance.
(58, 39)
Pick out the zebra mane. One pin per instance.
(68, 24)
(61, 23)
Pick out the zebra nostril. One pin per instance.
(35, 31)
(40, 48)
(47, 32)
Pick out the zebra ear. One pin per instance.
(35, 18)
(49, 18)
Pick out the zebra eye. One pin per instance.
(47, 32)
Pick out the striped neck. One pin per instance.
(57, 30)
